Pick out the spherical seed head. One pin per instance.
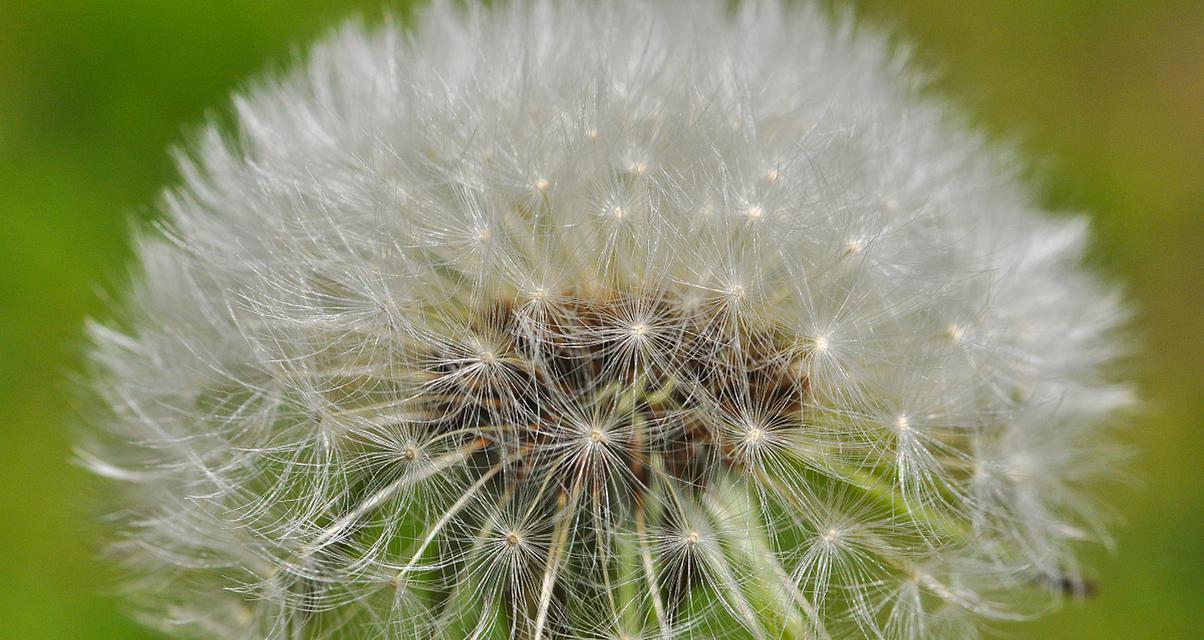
(381, 379)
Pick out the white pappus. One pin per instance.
(614, 319)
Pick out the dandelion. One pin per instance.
(604, 320)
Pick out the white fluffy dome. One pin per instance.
(604, 320)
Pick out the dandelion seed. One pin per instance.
(822, 344)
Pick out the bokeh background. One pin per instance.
(1106, 97)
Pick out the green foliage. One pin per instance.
(1105, 96)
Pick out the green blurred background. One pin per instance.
(1106, 97)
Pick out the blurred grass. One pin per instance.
(1106, 96)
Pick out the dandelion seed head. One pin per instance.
(708, 308)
